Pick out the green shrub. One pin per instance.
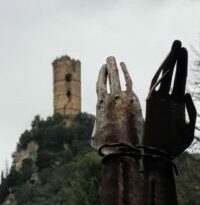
(25, 138)
(70, 171)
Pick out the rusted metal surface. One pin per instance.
(159, 182)
(118, 113)
(166, 127)
(118, 127)
(121, 182)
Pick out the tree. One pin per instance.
(194, 89)
(25, 138)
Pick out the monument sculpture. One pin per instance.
(119, 138)
(119, 127)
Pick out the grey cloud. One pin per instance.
(35, 32)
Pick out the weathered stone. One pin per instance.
(10, 200)
(29, 153)
(67, 87)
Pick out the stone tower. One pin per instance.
(67, 87)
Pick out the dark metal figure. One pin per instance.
(166, 129)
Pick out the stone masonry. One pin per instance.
(67, 87)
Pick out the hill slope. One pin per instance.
(54, 165)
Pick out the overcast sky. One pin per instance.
(34, 32)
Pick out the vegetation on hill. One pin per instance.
(68, 171)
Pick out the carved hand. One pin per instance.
(118, 113)
(165, 126)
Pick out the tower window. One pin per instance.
(68, 77)
(68, 93)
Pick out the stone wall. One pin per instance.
(67, 87)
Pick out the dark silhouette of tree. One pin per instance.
(194, 89)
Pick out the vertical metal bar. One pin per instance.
(121, 182)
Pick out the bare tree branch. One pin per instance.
(197, 139)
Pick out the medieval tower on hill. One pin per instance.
(67, 87)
